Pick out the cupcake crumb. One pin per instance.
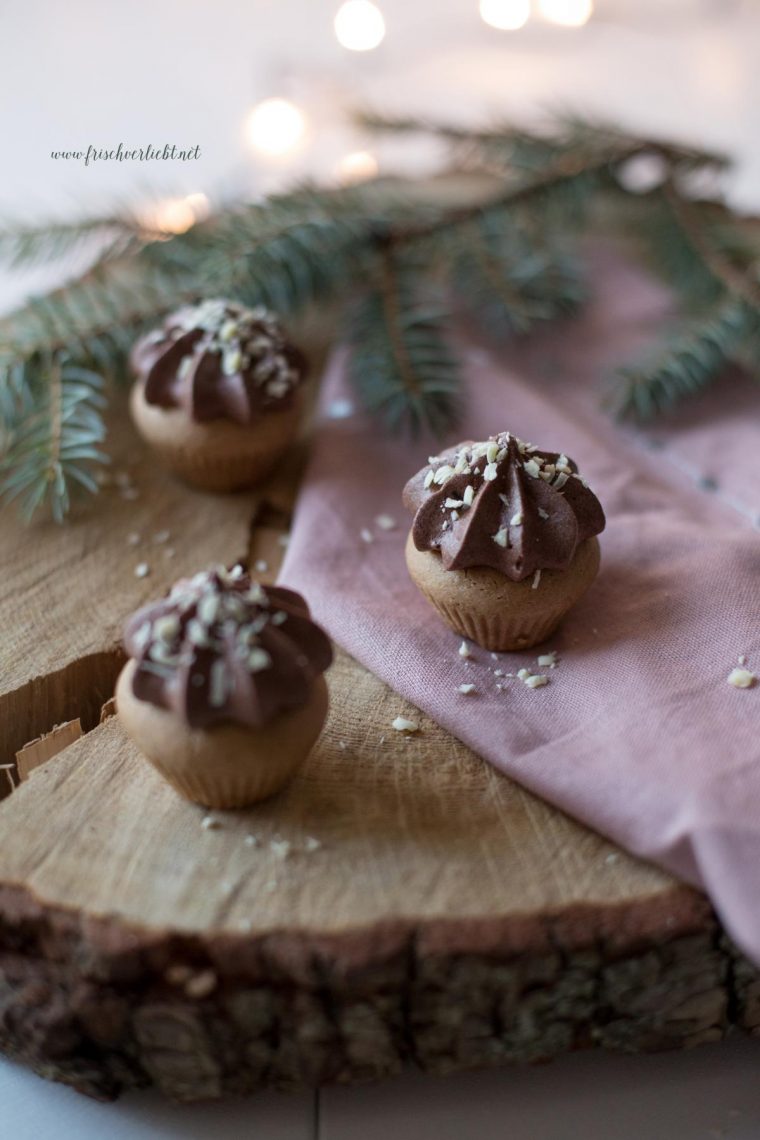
(536, 580)
(386, 522)
(537, 681)
(169, 552)
(210, 823)
(251, 840)
(464, 650)
(549, 659)
(742, 659)
(498, 672)
(280, 848)
(342, 745)
(245, 924)
(467, 689)
(260, 566)
(312, 844)
(402, 724)
(741, 678)
(162, 536)
(142, 570)
(133, 539)
(366, 535)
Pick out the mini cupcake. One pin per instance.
(503, 539)
(217, 393)
(224, 692)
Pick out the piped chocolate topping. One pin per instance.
(502, 503)
(222, 647)
(219, 360)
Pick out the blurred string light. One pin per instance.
(176, 215)
(568, 13)
(506, 15)
(359, 166)
(359, 25)
(275, 126)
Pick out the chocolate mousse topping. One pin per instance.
(219, 360)
(222, 647)
(502, 503)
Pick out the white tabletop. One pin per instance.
(705, 1094)
(187, 71)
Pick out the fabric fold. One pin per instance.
(637, 734)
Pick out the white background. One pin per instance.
(188, 72)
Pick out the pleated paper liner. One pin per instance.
(500, 631)
(206, 785)
(218, 469)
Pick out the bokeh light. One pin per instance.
(359, 25)
(568, 13)
(506, 15)
(275, 126)
(358, 166)
(176, 215)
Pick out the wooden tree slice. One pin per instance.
(400, 902)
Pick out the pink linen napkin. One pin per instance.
(637, 734)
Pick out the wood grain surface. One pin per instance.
(401, 902)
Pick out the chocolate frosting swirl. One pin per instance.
(222, 647)
(502, 503)
(219, 360)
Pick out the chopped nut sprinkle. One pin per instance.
(500, 538)
(402, 724)
(201, 985)
(536, 580)
(741, 678)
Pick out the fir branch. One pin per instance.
(740, 281)
(401, 364)
(508, 146)
(688, 363)
(508, 283)
(108, 237)
(52, 449)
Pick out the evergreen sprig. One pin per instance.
(395, 262)
(401, 364)
(55, 434)
(688, 362)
